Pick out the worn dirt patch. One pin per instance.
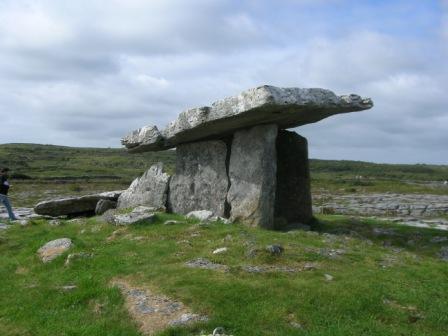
(153, 311)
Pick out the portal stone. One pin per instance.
(148, 190)
(253, 175)
(293, 194)
(200, 181)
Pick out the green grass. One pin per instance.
(377, 279)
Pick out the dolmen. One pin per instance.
(236, 158)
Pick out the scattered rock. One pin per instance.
(201, 215)
(443, 254)
(151, 189)
(328, 277)
(275, 250)
(139, 214)
(103, 205)
(220, 250)
(54, 222)
(269, 269)
(69, 287)
(3, 226)
(331, 253)
(155, 312)
(188, 318)
(206, 264)
(172, 222)
(53, 249)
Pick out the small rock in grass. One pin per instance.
(172, 222)
(201, 215)
(443, 254)
(221, 219)
(54, 222)
(206, 264)
(3, 226)
(275, 249)
(53, 249)
(187, 319)
(296, 325)
(69, 287)
(309, 267)
(220, 250)
(328, 277)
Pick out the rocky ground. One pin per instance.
(419, 210)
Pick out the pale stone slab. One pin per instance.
(285, 107)
(253, 173)
(151, 189)
(200, 181)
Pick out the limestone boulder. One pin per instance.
(285, 107)
(151, 189)
(253, 174)
(53, 249)
(74, 206)
(200, 181)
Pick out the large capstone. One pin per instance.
(200, 181)
(253, 175)
(151, 189)
(293, 193)
(285, 107)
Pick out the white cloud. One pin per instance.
(87, 72)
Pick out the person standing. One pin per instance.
(4, 187)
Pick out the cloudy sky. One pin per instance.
(86, 72)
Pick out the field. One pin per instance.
(346, 276)
(45, 171)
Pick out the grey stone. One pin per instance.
(103, 205)
(139, 214)
(206, 264)
(293, 191)
(53, 249)
(252, 173)
(73, 206)
(220, 250)
(188, 318)
(285, 107)
(443, 254)
(275, 249)
(201, 215)
(151, 189)
(79, 255)
(3, 226)
(200, 181)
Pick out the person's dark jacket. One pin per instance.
(4, 185)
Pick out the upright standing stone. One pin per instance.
(253, 174)
(200, 181)
(149, 190)
(293, 194)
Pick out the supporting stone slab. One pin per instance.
(253, 174)
(200, 181)
(293, 193)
